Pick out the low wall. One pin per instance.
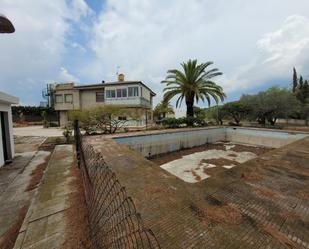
(261, 137)
(293, 121)
(155, 144)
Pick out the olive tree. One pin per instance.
(271, 104)
(237, 110)
(106, 118)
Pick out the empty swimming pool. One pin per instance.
(155, 144)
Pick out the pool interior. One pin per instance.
(196, 155)
(199, 163)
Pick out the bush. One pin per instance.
(234, 124)
(171, 122)
(184, 121)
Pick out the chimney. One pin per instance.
(121, 77)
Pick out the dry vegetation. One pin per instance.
(266, 192)
(303, 194)
(223, 214)
(165, 158)
(7, 241)
(219, 162)
(37, 173)
(251, 176)
(77, 231)
(282, 238)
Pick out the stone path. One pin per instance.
(44, 224)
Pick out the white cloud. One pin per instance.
(287, 45)
(35, 51)
(252, 42)
(65, 76)
(146, 38)
(279, 52)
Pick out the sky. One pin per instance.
(254, 43)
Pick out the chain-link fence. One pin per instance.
(114, 220)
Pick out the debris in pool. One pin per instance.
(229, 166)
(228, 147)
(201, 165)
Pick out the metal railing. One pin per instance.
(113, 218)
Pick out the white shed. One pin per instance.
(6, 128)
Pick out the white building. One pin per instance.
(129, 94)
(6, 128)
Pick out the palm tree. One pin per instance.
(162, 109)
(193, 84)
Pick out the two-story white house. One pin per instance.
(130, 94)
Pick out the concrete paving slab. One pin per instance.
(14, 195)
(45, 222)
(38, 131)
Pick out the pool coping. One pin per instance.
(178, 130)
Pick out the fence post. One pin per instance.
(77, 141)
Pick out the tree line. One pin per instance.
(194, 82)
(267, 106)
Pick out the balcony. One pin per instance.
(132, 101)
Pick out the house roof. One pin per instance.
(95, 86)
(9, 99)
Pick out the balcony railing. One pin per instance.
(129, 101)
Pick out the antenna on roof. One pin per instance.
(117, 71)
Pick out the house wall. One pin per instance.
(75, 105)
(5, 107)
(88, 98)
(146, 93)
(63, 118)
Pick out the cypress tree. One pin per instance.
(295, 80)
(305, 91)
(301, 82)
(300, 90)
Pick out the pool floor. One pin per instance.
(202, 162)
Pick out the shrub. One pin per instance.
(67, 133)
(171, 122)
(184, 121)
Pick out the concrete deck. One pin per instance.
(38, 130)
(263, 203)
(44, 225)
(14, 180)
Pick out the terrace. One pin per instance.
(260, 203)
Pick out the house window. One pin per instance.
(110, 93)
(59, 98)
(122, 118)
(99, 96)
(121, 93)
(68, 98)
(133, 91)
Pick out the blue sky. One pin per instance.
(254, 43)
